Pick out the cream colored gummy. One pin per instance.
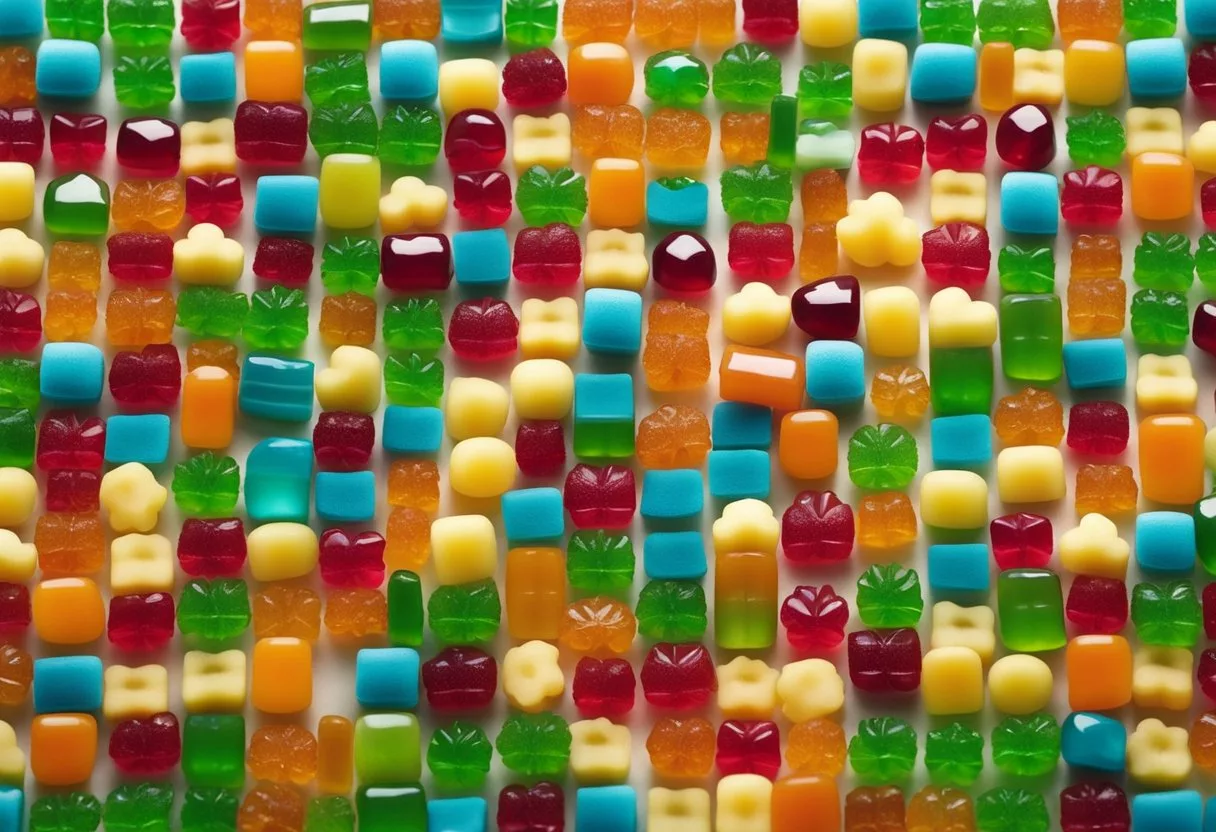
(18, 495)
(746, 526)
(213, 681)
(747, 689)
(281, 551)
(208, 147)
(12, 758)
(1201, 149)
(549, 329)
(973, 627)
(1020, 684)
(809, 688)
(412, 204)
(952, 681)
(464, 548)
(600, 751)
(956, 196)
(542, 388)
(481, 467)
(352, 381)
(532, 677)
(1165, 384)
(1030, 474)
(1162, 678)
(954, 500)
(21, 258)
(349, 190)
(677, 810)
(475, 407)
(875, 232)
(134, 692)
(17, 181)
(827, 24)
(205, 257)
(955, 320)
(1153, 128)
(17, 560)
(880, 74)
(615, 259)
(1094, 548)
(1158, 756)
(744, 803)
(141, 563)
(892, 318)
(1038, 76)
(468, 84)
(541, 140)
(133, 497)
(755, 315)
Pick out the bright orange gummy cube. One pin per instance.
(599, 73)
(208, 413)
(616, 193)
(68, 611)
(1171, 458)
(1099, 672)
(806, 446)
(282, 675)
(274, 70)
(764, 377)
(807, 801)
(1163, 186)
(62, 748)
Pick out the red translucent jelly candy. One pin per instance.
(890, 154)
(483, 330)
(460, 679)
(533, 79)
(212, 548)
(1094, 807)
(215, 198)
(270, 133)
(211, 24)
(66, 441)
(149, 146)
(770, 21)
(343, 441)
(352, 560)
(78, 140)
(474, 140)
(957, 253)
(1209, 610)
(1021, 541)
(23, 135)
(146, 745)
(814, 617)
(749, 747)
(20, 322)
(678, 676)
(1207, 202)
(829, 308)
(540, 448)
(1203, 327)
(1092, 196)
(1026, 137)
(1098, 428)
(1201, 71)
(73, 491)
(283, 260)
(684, 262)
(549, 256)
(141, 622)
(482, 197)
(1206, 673)
(885, 661)
(600, 497)
(416, 262)
(603, 687)
(140, 256)
(817, 528)
(1097, 605)
(539, 808)
(148, 379)
(761, 252)
(14, 607)
(958, 143)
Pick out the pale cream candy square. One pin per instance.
(746, 526)
(1162, 677)
(141, 563)
(206, 257)
(1165, 384)
(1158, 756)
(475, 407)
(747, 689)
(213, 681)
(1094, 548)
(600, 751)
(281, 551)
(482, 467)
(955, 320)
(744, 803)
(677, 810)
(615, 259)
(1153, 128)
(18, 496)
(1038, 76)
(956, 626)
(532, 678)
(549, 329)
(952, 681)
(880, 74)
(17, 188)
(827, 24)
(958, 197)
(542, 388)
(892, 318)
(21, 259)
(1030, 474)
(133, 692)
(468, 84)
(954, 500)
(464, 548)
(541, 140)
(352, 381)
(809, 688)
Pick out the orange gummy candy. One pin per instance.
(213, 352)
(599, 131)
(17, 87)
(16, 674)
(335, 754)
(744, 138)
(1090, 20)
(940, 809)
(148, 205)
(886, 521)
(356, 613)
(805, 802)
(666, 24)
(1096, 306)
(824, 197)
(70, 315)
(63, 748)
(281, 675)
(597, 21)
(348, 319)
(1031, 417)
(67, 611)
(1171, 458)
(763, 377)
(282, 754)
(274, 19)
(1105, 489)
(682, 748)
(271, 807)
(816, 746)
(74, 266)
(405, 19)
(138, 317)
(535, 592)
(677, 139)
(819, 253)
(874, 807)
(70, 543)
(996, 76)
(414, 483)
(1096, 256)
(208, 409)
(807, 445)
(900, 392)
(674, 436)
(598, 625)
(407, 539)
(283, 610)
(717, 19)
(1203, 742)
(676, 354)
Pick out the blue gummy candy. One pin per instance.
(1030, 202)
(674, 494)
(674, 556)
(142, 437)
(67, 684)
(208, 78)
(533, 514)
(835, 373)
(20, 19)
(739, 425)
(456, 814)
(387, 678)
(612, 321)
(961, 441)
(602, 397)
(286, 204)
(482, 257)
(1156, 67)
(278, 480)
(412, 430)
(67, 68)
(409, 71)
(71, 373)
(943, 73)
(1165, 541)
(1094, 741)
(346, 496)
(1176, 811)
(277, 388)
(738, 475)
(606, 809)
(685, 206)
(1096, 363)
(472, 21)
(886, 19)
(958, 567)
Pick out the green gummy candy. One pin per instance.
(676, 78)
(214, 610)
(954, 755)
(882, 457)
(139, 807)
(1026, 268)
(535, 745)
(672, 611)
(210, 809)
(888, 595)
(1011, 810)
(1096, 138)
(825, 90)
(329, 813)
(414, 324)
(599, 562)
(78, 19)
(19, 383)
(1150, 18)
(1166, 615)
(405, 609)
(947, 21)
(883, 749)
(465, 613)
(531, 23)
(458, 756)
(338, 24)
(211, 312)
(1026, 746)
(143, 81)
(65, 812)
(1164, 261)
(17, 431)
(344, 127)
(1024, 23)
(747, 73)
(1160, 318)
(337, 78)
(413, 381)
(410, 135)
(138, 23)
(759, 193)
(213, 750)
(350, 264)
(78, 205)
(1032, 338)
(278, 319)
(545, 197)
(207, 484)
(388, 748)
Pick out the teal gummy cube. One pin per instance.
(137, 437)
(278, 480)
(346, 496)
(412, 430)
(675, 494)
(958, 567)
(739, 474)
(961, 441)
(530, 515)
(674, 556)
(603, 415)
(456, 814)
(739, 425)
(276, 388)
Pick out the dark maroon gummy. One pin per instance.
(957, 254)
(678, 676)
(885, 661)
(352, 560)
(1097, 605)
(829, 308)
(603, 687)
(684, 262)
(23, 136)
(540, 448)
(1206, 673)
(817, 528)
(959, 143)
(140, 256)
(67, 441)
(539, 808)
(600, 497)
(270, 133)
(474, 140)
(1021, 541)
(149, 146)
(141, 622)
(343, 441)
(749, 747)
(74, 491)
(482, 197)
(1092, 196)
(283, 260)
(483, 330)
(146, 745)
(761, 251)
(78, 140)
(770, 21)
(1098, 428)
(533, 79)
(1201, 72)
(460, 679)
(549, 256)
(20, 322)
(814, 617)
(890, 154)
(1094, 807)
(15, 612)
(212, 548)
(1207, 202)
(1203, 327)
(416, 262)
(1026, 137)
(215, 198)
(148, 379)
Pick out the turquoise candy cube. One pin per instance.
(1094, 364)
(1200, 18)
(738, 475)
(20, 19)
(1176, 811)
(1156, 67)
(1030, 202)
(142, 437)
(961, 441)
(530, 515)
(675, 494)
(67, 69)
(481, 258)
(386, 678)
(409, 71)
(678, 201)
(278, 480)
(737, 425)
(958, 567)
(603, 415)
(346, 496)
(12, 807)
(412, 430)
(67, 684)
(388, 749)
(1094, 741)
(286, 204)
(472, 21)
(456, 814)
(606, 809)
(943, 73)
(887, 19)
(674, 556)
(276, 388)
(612, 321)
(835, 373)
(1165, 541)
(208, 77)
(72, 373)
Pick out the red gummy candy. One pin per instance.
(817, 528)
(15, 611)
(1098, 428)
(141, 622)
(1026, 137)
(539, 808)
(474, 140)
(603, 687)
(1201, 72)
(212, 548)
(770, 21)
(65, 441)
(483, 330)
(73, 491)
(533, 79)
(959, 143)
(146, 745)
(348, 560)
(1207, 202)
(957, 254)
(482, 197)
(416, 262)
(78, 140)
(600, 498)
(23, 135)
(460, 679)
(684, 262)
(814, 617)
(20, 322)
(1209, 610)
(1021, 541)
(540, 448)
(140, 256)
(1206, 673)
(1092, 196)
(149, 146)
(549, 256)
(211, 24)
(270, 133)
(761, 251)
(885, 661)
(829, 308)
(680, 676)
(215, 198)
(1097, 605)
(1094, 807)
(283, 260)
(343, 441)
(749, 747)
(890, 154)
(148, 379)
(1203, 327)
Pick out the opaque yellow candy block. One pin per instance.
(483, 466)
(141, 563)
(958, 197)
(18, 494)
(677, 810)
(274, 70)
(134, 692)
(133, 498)
(1030, 474)
(542, 388)
(17, 560)
(615, 259)
(16, 191)
(281, 551)
(208, 147)
(350, 190)
(21, 259)
(747, 689)
(955, 320)
(1095, 548)
(12, 758)
(616, 193)
(411, 204)
(206, 257)
(755, 315)
(880, 74)
(1094, 72)
(809, 688)
(1038, 76)
(828, 24)
(475, 407)
(1165, 384)
(952, 681)
(876, 233)
(213, 681)
(1201, 149)
(468, 84)
(549, 328)
(973, 627)
(954, 500)
(1153, 128)
(892, 318)
(532, 678)
(1020, 684)
(1158, 756)
(600, 751)
(1162, 678)
(352, 380)
(540, 140)
(746, 526)
(744, 803)
(282, 675)
(464, 548)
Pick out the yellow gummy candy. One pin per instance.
(755, 315)
(892, 318)
(952, 681)
(208, 147)
(954, 500)
(351, 381)
(483, 466)
(1165, 384)
(1030, 474)
(281, 551)
(1093, 72)
(677, 810)
(133, 497)
(955, 320)
(532, 678)
(549, 329)
(876, 233)
(213, 681)
(141, 563)
(21, 259)
(18, 494)
(1094, 548)
(828, 24)
(468, 84)
(1020, 684)
(744, 803)
(747, 689)
(12, 758)
(746, 526)
(411, 204)
(615, 259)
(1201, 149)
(540, 140)
(349, 190)
(880, 74)
(1153, 129)
(1038, 76)
(475, 407)
(134, 692)
(17, 560)
(809, 688)
(542, 388)
(1162, 678)
(16, 191)
(973, 627)
(206, 257)
(600, 751)
(1158, 756)
(958, 197)
(464, 548)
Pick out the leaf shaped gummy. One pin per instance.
(458, 756)
(413, 324)
(672, 611)
(888, 595)
(597, 561)
(465, 613)
(747, 73)
(545, 197)
(1011, 810)
(883, 457)
(535, 745)
(883, 749)
(278, 319)
(207, 484)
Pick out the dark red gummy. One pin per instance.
(684, 262)
(460, 679)
(1203, 327)
(679, 676)
(539, 808)
(474, 140)
(540, 448)
(1207, 202)
(68, 441)
(215, 198)
(1201, 72)
(211, 24)
(548, 256)
(817, 528)
(23, 136)
(1097, 605)
(829, 308)
(1021, 541)
(761, 251)
(1098, 428)
(533, 79)
(78, 140)
(1026, 137)
(770, 21)
(1206, 673)
(483, 330)
(283, 260)
(890, 154)
(140, 256)
(352, 560)
(482, 197)
(15, 614)
(1094, 807)
(146, 745)
(149, 146)
(814, 617)
(416, 262)
(212, 548)
(958, 143)
(603, 687)
(150, 379)
(20, 322)
(749, 747)
(343, 441)
(141, 622)
(600, 497)
(68, 490)
(885, 661)
(270, 133)
(1209, 610)
(957, 254)
(1092, 196)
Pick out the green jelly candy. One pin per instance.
(1031, 610)
(411, 135)
(676, 78)
(1027, 746)
(139, 807)
(1164, 261)
(78, 19)
(391, 808)
(672, 611)
(1160, 319)
(65, 812)
(1026, 268)
(1096, 138)
(1205, 261)
(207, 484)
(211, 312)
(888, 595)
(278, 319)
(1167, 614)
(77, 204)
(139, 23)
(329, 813)
(338, 25)
(19, 383)
(821, 144)
(1032, 338)
(210, 809)
(1205, 532)
(883, 749)
(599, 562)
(825, 90)
(759, 193)
(413, 381)
(883, 457)
(535, 745)
(747, 73)
(414, 324)
(1150, 18)
(1024, 23)
(405, 609)
(388, 748)
(544, 197)
(960, 380)
(465, 613)
(214, 610)
(782, 132)
(340, 78)
(947, 21)
(17, 433)
(143, 81)
(458, 756)
(531, 23)
(344, 127)
(1011, 810)
(954, 755)
(213, 750)
(351, 264)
